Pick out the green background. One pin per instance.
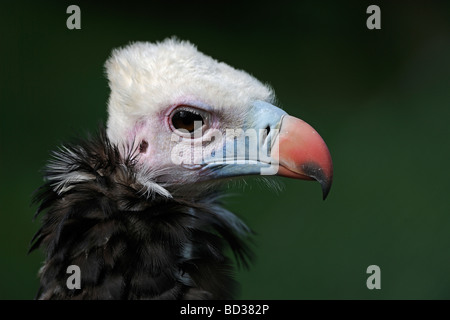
(379, 98)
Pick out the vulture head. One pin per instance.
(137, 207)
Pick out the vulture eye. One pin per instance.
(188, 119)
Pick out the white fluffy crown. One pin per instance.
(147, 77)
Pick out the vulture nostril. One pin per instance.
(265, 134)
(143, 146)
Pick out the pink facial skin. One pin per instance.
(154, 151)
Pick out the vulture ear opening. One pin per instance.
(143, 146)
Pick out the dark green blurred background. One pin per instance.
(379, 98)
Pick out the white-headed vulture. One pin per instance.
(137, 206)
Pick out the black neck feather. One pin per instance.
(129, 246)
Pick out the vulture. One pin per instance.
(137, 207)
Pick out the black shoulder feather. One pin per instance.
(127, 244)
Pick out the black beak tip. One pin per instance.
(326, 186)
(314, 171)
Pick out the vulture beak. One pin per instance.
(288, 147)
(302, 154)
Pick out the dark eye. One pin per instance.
(188, 119)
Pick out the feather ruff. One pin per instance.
(131, 240)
